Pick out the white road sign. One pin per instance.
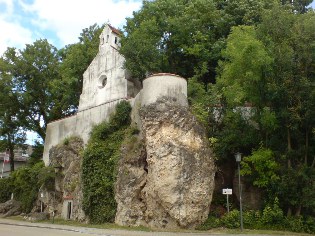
(227, 191)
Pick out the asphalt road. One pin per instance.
(21, 228)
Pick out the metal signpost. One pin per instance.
(227, 192)
(6, 159)
(238, 158)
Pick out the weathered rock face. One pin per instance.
(10, 208)
(168, 182)
(132, 174)
(37, 216)
(68, 179)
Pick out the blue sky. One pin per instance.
(59, 21)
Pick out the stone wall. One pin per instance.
(78, 125)
(105, 83)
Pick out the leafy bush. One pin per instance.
(251, 219)
(272, 214)
(99, 165)
(270, 218)
(46, 177)
(294, 224)
(309, 225)
(26, 182)
(5, 189)
(231, 220)
(210, 223)
(261, 166)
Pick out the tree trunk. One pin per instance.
(11, 150)
(289, 212)
(306, 147)
(298, 210)
(289, 146)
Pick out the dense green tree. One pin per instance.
(172, 36)
(299, 6)
(244, 12)
(11, 131)
(183, 37)
(271, 66)
(32, 71)
(292, 96)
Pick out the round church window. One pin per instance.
(102, 81)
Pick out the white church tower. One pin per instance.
(105, 80)
(105, 83)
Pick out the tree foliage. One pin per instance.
(11, 120)
(157, 40)
(25, 183)
(99, 165)
(272, 69)
(31, 72)
(183, 37)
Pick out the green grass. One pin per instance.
(99, 226)
(59, 221)
(254, 231)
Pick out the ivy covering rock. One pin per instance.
(99, 167)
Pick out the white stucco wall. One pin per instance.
(106, 66)
(78, 125)
(164, 84)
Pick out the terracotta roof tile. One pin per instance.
(116, 31)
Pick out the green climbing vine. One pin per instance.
(99, 165)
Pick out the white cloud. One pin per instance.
(12, 33)
(14, 36)
(59, 21)
(8, 5)
(32, 137)
(68, 18)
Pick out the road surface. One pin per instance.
(21, 228)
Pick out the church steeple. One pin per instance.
(110, 36)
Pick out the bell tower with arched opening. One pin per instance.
(106, 80)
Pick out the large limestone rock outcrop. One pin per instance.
(66, 158)
(166, 177)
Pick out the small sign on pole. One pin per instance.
(227, 192)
